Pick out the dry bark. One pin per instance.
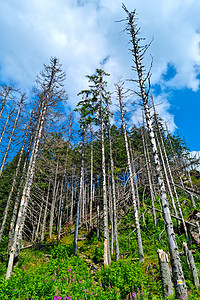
(191, 265)
(138, 53)
(137, 223)
(165, 274)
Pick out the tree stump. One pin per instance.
(165, 273)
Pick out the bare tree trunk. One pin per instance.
(110, 214)
(114, 216)
(16, 206)
(26, 191)
(72, 196)
(91, 178)
(143, 204)
(80, 195)
(38, 223)
(60, 209)
(165, 274)
(98, 221)
(174, 156)
(137, 223)
(13, 184)
(191, 265)
(63, 189)
(134, 176)
(11, 136)
(5, 125)
(66, 208)
(171, 178)
(167, 178)
(6, 90)
(53, 203)
(107, 259)
(150, 181)
(57, 203)
(188, 173)
(45, 213)
(83, 202)
(33, 222)
(19, 237)
(51, 84)
(178, 276)
(192, 198)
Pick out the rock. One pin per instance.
(194, 218)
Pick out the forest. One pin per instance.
(92, 207)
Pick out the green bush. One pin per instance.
(98, 254)
(128, 277)
(62, 277)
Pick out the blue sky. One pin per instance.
(84, 34)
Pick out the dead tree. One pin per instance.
(14, 182)
(137, 223)
(113, 196)
(149, 178)
(191, 265)
(91, 177)
(50, 83)
(5, 125)
(45, 213)
(165, 274)
(4, 94)
(80, 194)
(64, 182)
(12, 133)
(138, 54)
(170, 175)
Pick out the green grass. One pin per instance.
(54, 273)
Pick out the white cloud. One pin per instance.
(82, 33)
(196, 155)
(162, 106)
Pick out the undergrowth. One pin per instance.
(54, 273)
